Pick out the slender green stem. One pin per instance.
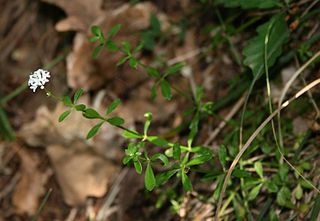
(43, 203)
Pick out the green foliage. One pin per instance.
(64, 115)
(278, 34)
(94, 130)
(254, 192)
(149, 178)
(115, 121)
(6, 131)
(186, 183)
(250, 4)
(162, 161)
(149, 36)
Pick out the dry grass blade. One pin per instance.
(286, 88)
(254, 135)
(223, 123)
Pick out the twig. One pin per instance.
(185, 56)
(286, 88)
(104, 210)
(223, 123)
(72, 214)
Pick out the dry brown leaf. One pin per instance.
(46, 129)
(31, 184)
(80, 172)
(81, 13)
(83, 71)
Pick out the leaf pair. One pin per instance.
(67, 101)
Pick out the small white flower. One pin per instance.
(38, 79)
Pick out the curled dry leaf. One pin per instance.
(81, 13)
(30, 187)
(80, 172)
(46, 129)
(83, 71)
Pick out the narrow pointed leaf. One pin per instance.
(165, 89)
(64, 115)
(113, 106)
(116, 121)
(94, 130)
(149, 179)
(278, 34)
(77, 95)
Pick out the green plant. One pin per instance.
(259, 167)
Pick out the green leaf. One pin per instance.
(165, 89)
(133, 63)
(258, 168)
(193, 128)
(123, 60)
(139, 47)
(298, 192)
(222, 155)
(91, 114)
(200, 159)
(77, 95)
(67, 101)
(138, 166)
(94, 130)
(316, 209)
(126, 47)
(155, 24)
(114, 30)
(284, 197)
(240, 173)
(132, 149)
(176, 151)
(95, 30)
(154, 92)
(271, 186)
(174, 69)
(126, 159)
(283, 171)
(162, 157)
(130, 135)
(152, 72)
(113, 106)
(165, 176)
(278, 35)
(147, 115)
(148, 40)
(64, 115)
(250, 4)
(93, 39)
(218, 189)
(112, 46)
(158, 141)
(254, 192)
(149, 179)
(186, 183)
(96, 51)
(116, 121)
(80, 107)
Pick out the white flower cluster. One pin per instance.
(38, 79)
